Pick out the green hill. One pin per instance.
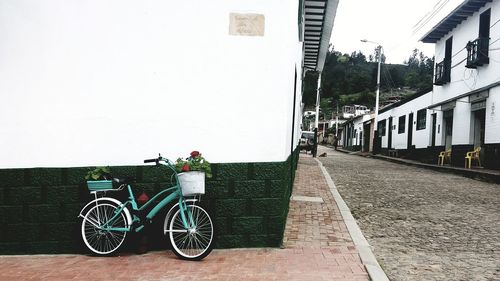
(352, 79)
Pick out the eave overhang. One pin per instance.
(319, 16)
(461, 13)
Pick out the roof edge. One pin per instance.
(403, 101)
(427, 38)
(331, 11)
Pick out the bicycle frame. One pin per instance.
(108, 218)
(175, 193)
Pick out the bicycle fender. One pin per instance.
(109, 199)
(169, 214)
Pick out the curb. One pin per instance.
(373, 268)
(473, 174)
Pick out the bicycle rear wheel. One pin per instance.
(194, 243)
(100, 241)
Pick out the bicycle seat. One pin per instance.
(126, 180)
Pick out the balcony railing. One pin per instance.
(442, 73)
(477, 52)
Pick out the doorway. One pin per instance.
(361, 140)
(448, 128)
(389, 136)
(479, 125)
(410, 131)
(433, 134)
(366, 139)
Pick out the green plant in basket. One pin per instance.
(99, 173)
(195, 162)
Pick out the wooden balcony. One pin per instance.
(477, 52)
(442, 73)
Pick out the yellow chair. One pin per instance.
(472, 155)
(444, 155)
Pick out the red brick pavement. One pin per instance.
(317, 247)
(312, 224)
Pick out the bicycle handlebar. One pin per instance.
(157, 160)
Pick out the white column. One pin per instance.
(317, 100)
(337, 121)
(378, 87)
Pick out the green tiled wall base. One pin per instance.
(39, 207)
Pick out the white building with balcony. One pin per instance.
(466, 92)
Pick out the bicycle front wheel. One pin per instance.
(193, 243)
(103, 241)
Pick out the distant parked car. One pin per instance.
(307, 141)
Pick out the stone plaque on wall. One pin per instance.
(246, 24)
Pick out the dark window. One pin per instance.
(381, 128)
(442, 72)
(421, 119)
(402, 124)
(477, 50)
(484, 24)
(448, 48)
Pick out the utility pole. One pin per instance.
(337, 121)
(316, 124)
(379, 53)
(375, 119)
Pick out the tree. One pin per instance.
(350, 78)
(420, 71)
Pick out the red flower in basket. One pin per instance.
(195, 162)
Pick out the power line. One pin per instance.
(495, 23)
(433, 14)
(494, 41)
(457, 64)
(427, 14)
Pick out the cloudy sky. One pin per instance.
(391, 23)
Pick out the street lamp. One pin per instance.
(379, 53)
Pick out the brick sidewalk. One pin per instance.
(312, 224)
(316, 226)
(317, 247)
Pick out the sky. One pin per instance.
(390, 23)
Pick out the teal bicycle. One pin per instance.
(106, 220)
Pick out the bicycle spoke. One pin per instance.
(103, 241)
(193, 243)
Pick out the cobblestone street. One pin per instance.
(422, 224)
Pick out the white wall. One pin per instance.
(384, 116)
(463, 79)
(298, 103)
(115, 82)
(492, 122)
(461, 122)
(352, 137)
(358, 126)
(439, 127)
(420, 138)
